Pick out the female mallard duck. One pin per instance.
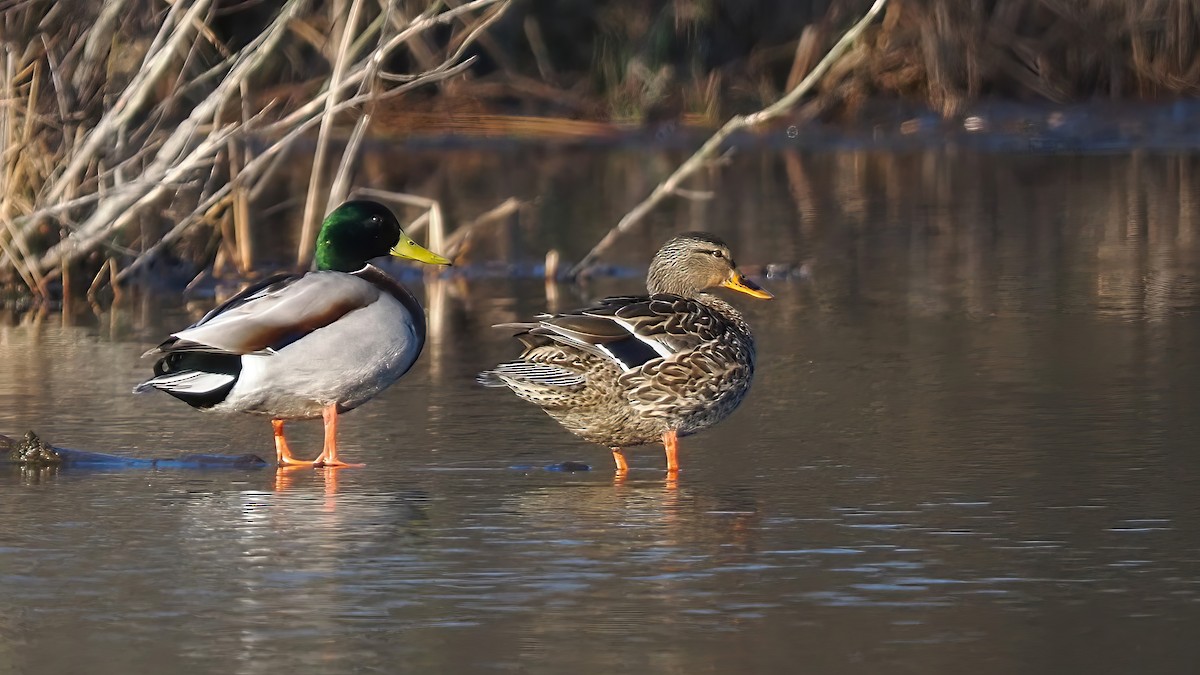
(637, 369)
(302, 346)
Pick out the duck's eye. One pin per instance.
(376, 220)
(717, 254)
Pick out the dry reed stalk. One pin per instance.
(147, 142)
(97, 282)
(437, 228)
(185, 151)
(398, 197)
(537, 44)
(701, 157)
(312, 217)
(134, 97)
(66, 294)
(370, 67)
(266, 161)
(455, 245)
(12, 142)
(341, 181)
(239, 152)
(946, 51)
(421, 49)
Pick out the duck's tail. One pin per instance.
(520, 374)
(200, 380)
(490, 378)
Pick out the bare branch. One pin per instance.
(311, 216)
(456, 242)
(713, 144)
(172, 161)
(134, 97)
(163, 143)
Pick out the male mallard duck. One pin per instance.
(636, 369)
(302, 346)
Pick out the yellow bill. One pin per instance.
(407, 248)
(738, 282)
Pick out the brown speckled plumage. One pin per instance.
(630, 369)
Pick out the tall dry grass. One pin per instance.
(649, 60)
(127, 124)
(947, 54)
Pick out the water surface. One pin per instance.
(971, 444)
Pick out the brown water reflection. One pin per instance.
(972, 441)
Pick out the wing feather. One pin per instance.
(629, 331)
(275, 313)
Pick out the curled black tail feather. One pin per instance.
(199, 379)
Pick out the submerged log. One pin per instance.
(32, 451)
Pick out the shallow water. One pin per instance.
(972, 443)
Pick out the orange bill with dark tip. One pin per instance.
(738, 282)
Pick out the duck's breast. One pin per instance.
(347, 362)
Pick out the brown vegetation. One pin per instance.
(121, 120)
(949, 53)
(128, 126)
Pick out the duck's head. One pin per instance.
(696, 261)
(359, 231)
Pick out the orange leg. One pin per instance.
(619, 457)
(671, 443)
(283, 454)
(329, 455)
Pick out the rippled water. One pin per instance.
(972, 444)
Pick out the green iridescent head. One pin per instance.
(359, 231)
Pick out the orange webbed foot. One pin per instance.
(329, 455)
(671, 444)
(283, 454)
(619, 458)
